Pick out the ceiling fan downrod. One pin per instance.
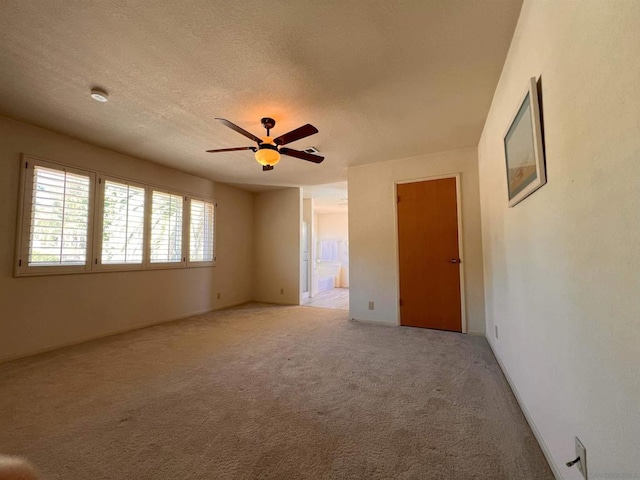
(268, 124)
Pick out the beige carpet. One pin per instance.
(268, 392)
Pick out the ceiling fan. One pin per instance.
(269, 149)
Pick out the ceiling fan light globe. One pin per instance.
(267, 156)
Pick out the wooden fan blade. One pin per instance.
(240, 130)
(297, 134)
(231, 149)
(309, 157)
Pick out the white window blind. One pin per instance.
(122, 223)
(59, 220)
(201, 248)
(166, 228)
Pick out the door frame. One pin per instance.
(457, 176)
(307, 294)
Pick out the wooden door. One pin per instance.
(429, 255)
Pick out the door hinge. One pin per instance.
(401, 302)
(100, 180)
(19, 263)
(26, 164)
(398, 199)
(95, 262)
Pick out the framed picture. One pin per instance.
(523, 152)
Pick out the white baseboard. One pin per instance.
(374, 322)
(474, 333)
(528, 417)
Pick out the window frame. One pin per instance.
(206, 263)
(99, 224)
(149, 213)
(93, 264)
(23, 233)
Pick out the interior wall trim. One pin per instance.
(375, 322)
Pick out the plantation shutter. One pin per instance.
(166, 227)
(122, 223)
(201, 246)
(59, 222)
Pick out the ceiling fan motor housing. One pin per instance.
(268, 146)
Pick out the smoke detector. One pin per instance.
(99, 95)
(312, 150)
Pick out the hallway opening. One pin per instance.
(325, 247)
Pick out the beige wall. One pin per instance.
(233, 273)
(277, 227)
(40, 313)
(335, 226)
(372, 233)
(561, 268)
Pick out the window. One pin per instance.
(166, 227)
(136, 226)
(201, 239)
(55, 218)
(122, 223)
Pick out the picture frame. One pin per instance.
(523, 147)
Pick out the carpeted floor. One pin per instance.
(271, 393)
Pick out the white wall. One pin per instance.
(335, 226)
(277, 231)
(40, 313)
(562, 272)
(372, 233)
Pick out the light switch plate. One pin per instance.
(582, 453)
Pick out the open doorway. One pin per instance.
(325, 239)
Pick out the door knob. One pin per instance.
(455, 260)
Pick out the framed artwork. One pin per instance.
(523, 152)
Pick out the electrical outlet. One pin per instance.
(581, 452)
(496, 327)
(282, 291)
(370, 305)
(219, 296)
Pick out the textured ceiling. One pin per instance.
(379, 79)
